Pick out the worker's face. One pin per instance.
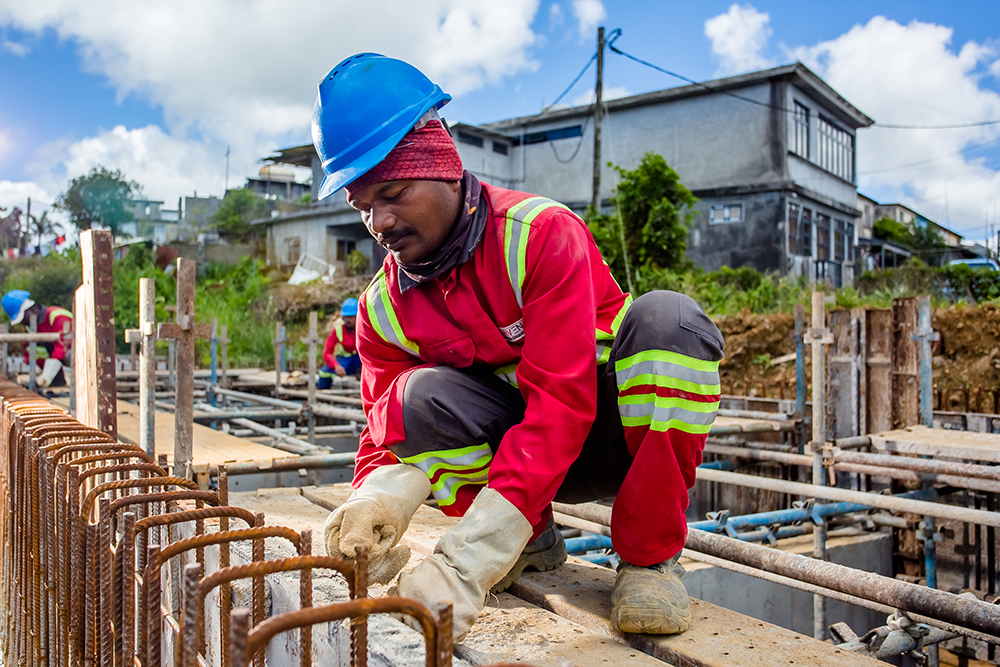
(410, 219)
(349, 322)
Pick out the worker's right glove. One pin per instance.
(376, 515)
(469, 560)
(49, 372)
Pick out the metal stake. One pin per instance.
(819, 336)
(312, 341)
(145, 335)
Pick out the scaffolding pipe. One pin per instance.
(925, 508)
(344, 460)
(755, 414)
(818, 336)
(255, 398)
(968, 613)
(886, 466)
(831, 594)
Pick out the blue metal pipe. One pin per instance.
(581, 545)
(215, 364)
(724, 464)
(597, 559)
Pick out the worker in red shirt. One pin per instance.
(503, 368)
(340, 354)
(19, 307)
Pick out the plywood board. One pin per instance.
(940, 443)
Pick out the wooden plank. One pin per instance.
(878, 370)
(940, 443)
(210, 447)
(94, 334)
(580, 592)
(905, 364)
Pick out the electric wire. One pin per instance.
(570, 86)
(617, 32)
(933, 159)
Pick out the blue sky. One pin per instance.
(159, 90)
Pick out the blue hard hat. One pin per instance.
(349, 308)
(364, 106)
(15, 303)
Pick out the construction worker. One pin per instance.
(53, 356)
(340, 354)
(504, 368)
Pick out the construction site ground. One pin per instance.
(761, 348)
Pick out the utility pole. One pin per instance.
(595, 200)
(227, 172)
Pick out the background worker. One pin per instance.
(503, 368)
(19, 307)
(340, 354)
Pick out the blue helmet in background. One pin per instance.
(349, 308)
(363, 108)
(16, 303)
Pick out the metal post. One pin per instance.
(279, 355)
(224, 355)
(171, 377)
(32, 354)
(800, 373)
(147, 365)
(214, 381)
(595, 199)
(819, 336)
(313, 340)
(3, 352)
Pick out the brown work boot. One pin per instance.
(651, 599)
(545, 553)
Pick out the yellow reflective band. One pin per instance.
(669, 402)
(659, 426)
(617, 322)
(670, 358)
(445, 454)
(452, 497)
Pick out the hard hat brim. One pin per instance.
(25, 305)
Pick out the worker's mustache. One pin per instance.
(393, 235)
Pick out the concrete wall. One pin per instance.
(317, 234)
(757, 240)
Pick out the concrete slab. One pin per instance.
(580, 592)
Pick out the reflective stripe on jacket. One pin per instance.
(340, 343)
(536, 304)
(53, 322)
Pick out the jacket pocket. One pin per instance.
(458, 351)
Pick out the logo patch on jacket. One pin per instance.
(514, 332)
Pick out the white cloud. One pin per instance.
(913, 75)
(739, 38)
(244, 72)
(6, 143)
(17, 48)
(610, 93)
(589, 14)
(17, 194)
(556, 16)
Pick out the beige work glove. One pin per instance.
(49, 372)
(376, 515)
(469, 560)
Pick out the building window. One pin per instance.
(292, 250)
(800, 129)
(550, 135)
(499, 147)
(839, 241)
(726, 213)
(345, 248)
(470, 139)
(850, 242)
(792, 225)
(836, 150)
(806, 232)
(822, 237)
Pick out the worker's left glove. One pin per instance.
(49, 372)
(469, 560)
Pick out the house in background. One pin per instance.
(151, 221)
(770, 154)
(875, 253)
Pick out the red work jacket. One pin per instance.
(340, 343)
(536, 304)
(53, 321)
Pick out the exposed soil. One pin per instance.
(968, 355)
(290, 300)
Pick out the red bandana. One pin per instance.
(426, 154)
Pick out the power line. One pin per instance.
(933, 159)
(617, 32)
(570, 86)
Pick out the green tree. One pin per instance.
(651, 222)
(887, 229)
(923, 238)
(39, 227)
(98, 199)
(235, 213)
